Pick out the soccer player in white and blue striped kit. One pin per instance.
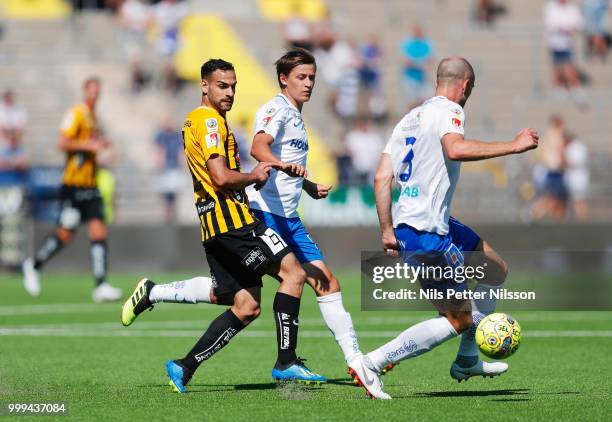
(423, 158)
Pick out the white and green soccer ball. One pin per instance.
(498, 336)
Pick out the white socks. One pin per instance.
(340, 324)
(194, 290)
(415, 341)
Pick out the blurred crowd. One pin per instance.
(356, 72)
(565, 21)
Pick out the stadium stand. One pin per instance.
(44, 56)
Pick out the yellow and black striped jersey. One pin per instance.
(206, 134)
(79, 125)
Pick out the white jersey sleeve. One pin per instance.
(452, 120)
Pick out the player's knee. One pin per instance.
(97, 231)
(504, 270)
(64, 235)
(250, 313)
(295, 276)
(460, 321)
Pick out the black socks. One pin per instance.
(286, 310)
(218, 334)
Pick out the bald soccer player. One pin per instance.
(423, 157)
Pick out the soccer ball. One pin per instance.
(498, 336)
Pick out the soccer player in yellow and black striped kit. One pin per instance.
(239, 248)
(81, 139)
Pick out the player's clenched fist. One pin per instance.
(527, 139)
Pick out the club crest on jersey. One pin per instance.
(212, 125)
(456, 111)
(457, 122)
(212, 140)
(270, 110)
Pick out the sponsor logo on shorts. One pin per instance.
(254, 258)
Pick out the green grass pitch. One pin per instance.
(60, 347)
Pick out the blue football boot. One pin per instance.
(179, 377)
(297, 371)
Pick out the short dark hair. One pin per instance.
(291, 59)
(214, 64)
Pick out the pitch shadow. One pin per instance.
(483, 393)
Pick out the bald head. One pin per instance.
(454, 69)
(455, 79)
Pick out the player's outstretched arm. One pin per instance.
(457, 148)
(227, 179)
(383, 184)
(261, 151)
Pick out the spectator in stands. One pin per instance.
(598, 36)
(563, 21)
(550, 182)
(13, 161)
(169, 146)
(297, 31)
(324, 32)
(370, 72)
(13, 167)
(363, 145)
(418, 51)
(577, 177)
(487, 12)
(13, 118)
(135, 17)
(339, 64)
(168, 15)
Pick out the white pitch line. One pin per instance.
(68, 332)
(72, 308)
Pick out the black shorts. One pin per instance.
(79, 205)
(239, 258)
